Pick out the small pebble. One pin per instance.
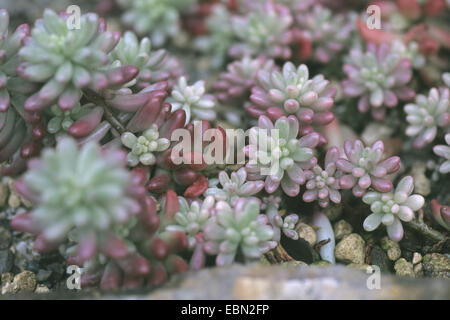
(404, 268)
(351, 249)
(41, 289)
(341, 229)
(417, 257)
(306, 232)
(392, 248)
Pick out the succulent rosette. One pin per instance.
(264, 30)
(364, 167)
(444, 152)
(323, 184)
(329, 32)
(233, 187)
(379, 77)
(285, 225)
(193, 100)
(238, 230)
(427, 115)
(292, 92)
(393, 207)
(157, 18)
(67, 60)
(282, 157)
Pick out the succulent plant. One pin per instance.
(379, 77)
(427, 114)
(441, 214)
(264, 30)
(220, 35)
(409, 51)
(282, 157)
(234, 187)
(10, 43)
(157, 18)
(84, 192)
(365, 167)
(193, 100)
(292, 92)
(392, 208)
(142, 147)
(191, 219)
(444, 152)
(281, 224)
(323, 184)
(67, 60)
(328, 32)
(240, 77)
(238, 230)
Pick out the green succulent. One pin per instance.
(143, 147)
(393, 207)
(65, 60)
(193, 100)
(192, 219)
(10, 43)
(80, 188)
(238, 230)
(157, 18)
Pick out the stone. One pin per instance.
(5, 238)
(321, 263)
(418, 270)
(392, 248)
(436, 265)
(41, 289)
(404, 268)
(294, 263)
(422, 184)
(358, 266)
(341, 229)
(306, 232)
(14, 201)
(333, 212)
(351, 249)
(22, 282)
(417, 257)
(280, 283)
(6, 260)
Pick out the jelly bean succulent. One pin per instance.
(277, 153)
(193, 100)
(66, 60)
(427, 115)
(323, 184)
(364, 167)
(84, 191)
(379, 77)
(292, 92)
(234, 187)
(238, 230)
(393, 207)
(264, 30)
(142, 147)
(157, 18)
(444, 152)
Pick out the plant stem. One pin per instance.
(425, 230)
(109, 116)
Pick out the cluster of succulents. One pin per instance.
(93, 113)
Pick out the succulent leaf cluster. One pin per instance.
(282, 158)
(393, 207)
(157, 18)
(379, 77)
(264, 30)
(323, 184)
(427, 115)
(291, 91)
(444, 152)
(365, 167)
(238, 229)
(193, 100)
